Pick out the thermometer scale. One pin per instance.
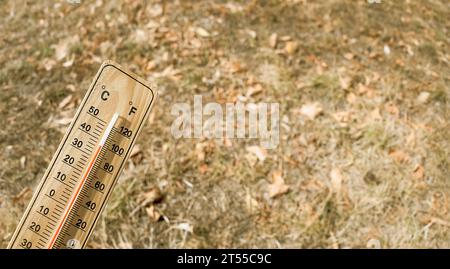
(83, 171)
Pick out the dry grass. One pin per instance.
(391, 148)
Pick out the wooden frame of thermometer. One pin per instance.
(84, 169)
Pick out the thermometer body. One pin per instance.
(85, 167)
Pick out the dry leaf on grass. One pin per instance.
(236, 66)
(202, 32)
(351, 98)
(386, 50)
(392, 109)
(23, 196)
(439, 204)
(311, 110)
(418, 172)
(423, 97)
(259, 152)
(336, 179)
(150, 66)
(153, 195)
(57, 123)
(65, 101)
(187, 227)
(291, 47)
(277, 187)
(251, 33)
(48, 64)
(64, 45)
(440, 221)
(349, 56)
(374, 116)
(411, 139)
(273, 39)
(200, 151)
(343, 117)
(250, 202)
(135, 151)
(155, 10)
(345, 82)
(363, 89)
(153, 214)
(136, 155)
(69, 62)
(203, 168)
(23, 160)
(286, 38)
(253, 90)
(399, 156)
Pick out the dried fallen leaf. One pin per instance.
(71, 87)
(250, 202)
(65, 101)
(273, 39)
(349, 56)
(343, 117)
(291, 47)
(23, 196)
(23, 160)
(345, 82)
(151, 65)
(155, 10)
(418, 172)
(234, 7)
(363, 89)
(236, 66)
(200, 151)
(392, 109)
(286, 38)
(187, 227)
(336, 179)
(374, 115)
(253, 90)
(48, 64)
(61, 121)
(203, 168)
(64, 45)
(251, 33)
(69, 62)
(351, 98)
(136, 150)
(311, 110)
(259, 152)
(153, 195)
(277, 187)
(227, 142)
(153, 214)
(139, 36)
(399, 156)
(423, 97)
(440, 221)
(202, 32)
(439, 203)
(400, 62)
(386, 50)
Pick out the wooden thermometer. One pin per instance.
(82, 174)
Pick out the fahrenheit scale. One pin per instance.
(82, 174)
